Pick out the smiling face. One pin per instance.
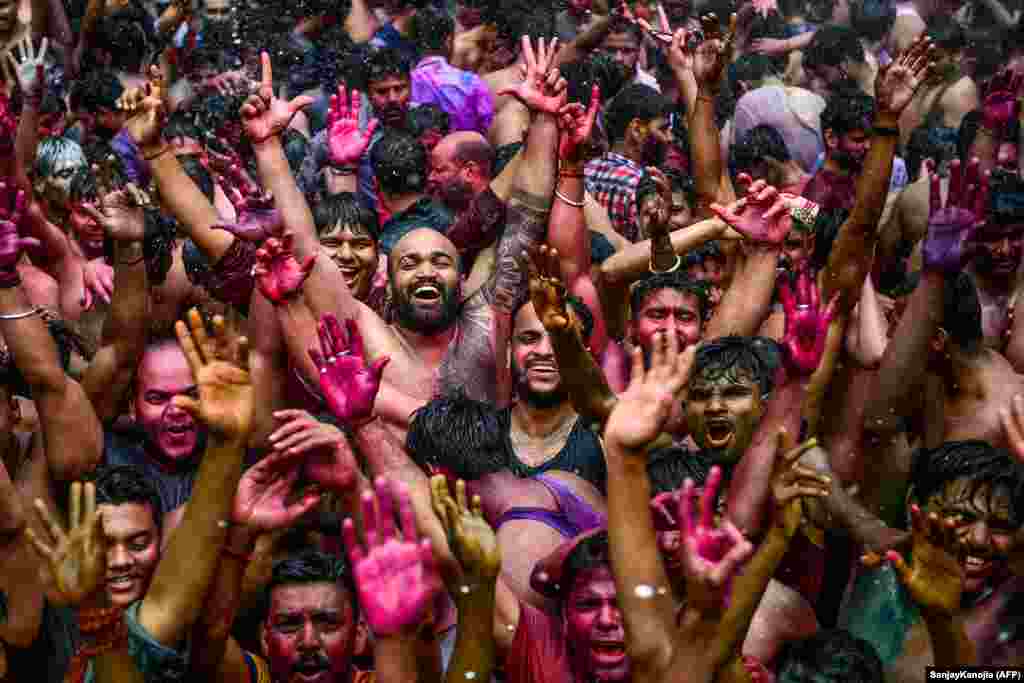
(133, 550)
(722, 411)
(1000, 249)
(534, 368)
(309, 634)
(424, 274)
(667, 310)
(983, 522)
(594, 629)
(163, 374)
(355, 252)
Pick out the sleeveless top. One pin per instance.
(582, 454)
(573, 516)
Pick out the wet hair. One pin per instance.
(158, 245)
(125, 484)
(847, 111)
(460, 434)
(961, 313)
(400, 163)
(53, 149)
(344, 208)
(826, 229)
(200, 175)
(426, 117)
(872, 19)
(757, 357)
(1006, 198)
(677, 281)
(431, 31)
(590, 553)
(295, 148)
(125, 37)
(635, 101)
(668, 468)
(753, 68)
(758, 143)
(579, 308)
(946, 33)
(831, 46)
(927, 142)
(620, 24)
(581, 74)
(517, 18)
(829, 656)
(313, 566)
(931, 470)
(601, 248)
(96, 90)
(181, 125)
(214, 111)
(383, 63)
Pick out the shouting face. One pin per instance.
(424, 267)
(133, 550)
(163, 374)
(594, 629)
(355, 252)
(723, 409)
(309, 633)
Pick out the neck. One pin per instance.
(398, 203)
(430, 348)
(627, 150)
(791, 174)
(959, 372)
(834, 167)
(540, 422)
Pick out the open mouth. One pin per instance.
(427, 293)
(178, 430)
(543, 370)
(719, 433)
(976, 566)
(120, 584)
(311, 670)
(609, 651)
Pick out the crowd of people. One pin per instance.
(408, 341)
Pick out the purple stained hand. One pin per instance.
(279, 275)
(11, 243)
(396, 575)
(951, 227)
(348, 384)
(806, 322)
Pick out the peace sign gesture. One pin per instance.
(542, 89)
(264, 115)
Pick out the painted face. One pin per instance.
(1000, 249)
(389, 97)
(309, 634)
(538, 381)
(722, 412)
(133, 550)
(57, 186)
(983, 524)
(84, 226)
(668, 535)
(355, 252)
(425, 281)
(623, 48)
(667, 311)
(593, 628)
(163, 374)
(851, 149)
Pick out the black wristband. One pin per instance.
(886, 132)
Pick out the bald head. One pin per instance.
(460, 168)
(422, 243)
(424, 272)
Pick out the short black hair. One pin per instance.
(757, 357)
(399, 163)
(847, 111)
(961, 313)
(424, 117)
(383, 63)
(832, 45)
(678, 281)
(599, 67)
(123, 34)
(460, 434)
(636, 101)
(158, 244)
(753, 68)
(590, 553)
(313, 566)
(96, 90)
(346, 209)
(931, 470)
(668, 468)
(579, 308)
(757, 144)
(872, 19)
(125, 484)
(431, 30)
(180, 124)
(829, 656)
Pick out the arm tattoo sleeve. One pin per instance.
(527, 224)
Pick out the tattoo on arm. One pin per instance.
(526, 227)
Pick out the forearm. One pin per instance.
(299, 333)
(268, 368)
(584, 42)
(475, 649)
(59, 27)
(746, 303)
(276, 175)
(189, 205)
(706, 150)
(31, 346)
(687, 86)
(360, 22)
(814, 398)
(950, 643)
(633, 262)
(25, 141)
(183, 577)
(567, 227)
(394, 659)
(582, 377)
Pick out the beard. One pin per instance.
(848, 162)
(654, 151)
(456, 195)
(412, 318)
(541, 400)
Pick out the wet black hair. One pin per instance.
(400, 163)
(757, 357)
(590, 553)
(946, 33)
(931, 470)
(753, 68)
(125, 484)
(758, 143)
(346, 209)
(426, 117)
(313, 566)
(832, 45)
(680, 282)
(927, 142)
(383, 63)
(123, 34)
(847, 111)
(158, 244)
(961, 313)
(668, 468)
(581, 74)
(96, 90)
(296, 146)
(872, 19)
(829, 656)
(431, 31)
(635, 101)
(460, 434)
(182, 125)
(579, 308)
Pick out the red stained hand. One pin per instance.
(763, 216)
(346, 142)
(8, 124)
(396, 576)
(806, 322)
(542, 88)
(576, 124)
(264, 498)
(278, 275)
(329, 462)
(11, 242)
(710, 555)
(1002, 103)
(263, 114)
(348, 384)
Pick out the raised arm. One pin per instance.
(709, 62)
(72, 435)
(29, 70)
(183, 577)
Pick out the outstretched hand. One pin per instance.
(807, 322)
(29, 66)
(765, 215)
(264, 498)
(396, 575)
(345, 141)
(577, 123)
(898, 81)
(348, 384)
(471, 538)
(263, 114)
(279, 275)
(547, 291)
(257, 219)
(714, 53)
(329, 459)
(75, 561)
(710, 555)
(542, 88)
(948, 245)
(793, 481)
(11, 243)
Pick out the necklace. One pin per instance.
(534, 451)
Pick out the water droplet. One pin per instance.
(464, 590)
(542, 577)
(470, 675)
(644, 592)
(511, 627)
(662, 590)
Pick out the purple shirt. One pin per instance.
(462, 94)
